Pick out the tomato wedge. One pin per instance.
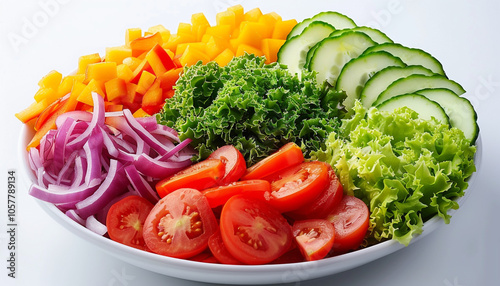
(125, 221)
(321, 206)
(314, 237)
(218, 196)
(298, 185)
(180, 224)
(199, 176)
(234, 162)
(220, 251)
(253, 232)
(288, 155)
(350, 218)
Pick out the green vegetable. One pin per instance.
(251, 105)
(406, 169)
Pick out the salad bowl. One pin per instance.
(232, 274)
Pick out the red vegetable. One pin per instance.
(234, 162)
(314, 237)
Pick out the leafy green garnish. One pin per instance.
(253, 106)
(406, 169)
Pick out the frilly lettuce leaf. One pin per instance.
(251, 105)
(407, 170)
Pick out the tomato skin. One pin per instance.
(288, 155)
(220, 251)
(218, 196)
(298, 185)
(350, 219)
(322, 205)
(254, 232)
(199, 176)
(180, 224)
(234, 161)
(125, 221)
(314, 237)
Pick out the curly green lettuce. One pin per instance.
(253, 106)
(406, 169)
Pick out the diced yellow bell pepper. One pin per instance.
(270, 48)
(132, 62)
(226, 18)
(238, 13)
(221, 31)
(252, 15)
(52, 80)
(165, 33)
(283, 28)
(184, 28)
(132, 34)
(117, 54)
(181, 48)
(269, 20)
(47, 93)
(225, 57)
(32, 111)
(200, 25)
(145, 81)
(243, 48)
(67, 84)
(191, 56)
(215, 46)
(101, 71)
(84, 61)
(86, 95)
(124, 72)
(250, 34)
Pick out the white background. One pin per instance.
(39, 36)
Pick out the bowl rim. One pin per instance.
(235, 274)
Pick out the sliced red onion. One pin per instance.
(94, 225)
(74, 216)
(158, 169)
(62, 194)
(76, 115)
(141, 185)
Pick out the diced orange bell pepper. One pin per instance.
(129, 98)
(250, 34)
(159, 60)
(152, 101)
(215, 46)
(169, 78)
(191, 56)
(49, 94)
(165, 33)
(140, 113)
(115, 89)
(221, 31)
(132, 62)
(86, 94)
(242, 49)
(144, 44)
(145, 82)
(31, 111)
(111, 106)
(200, 25)
(124, 72)
(84, 61)
(270, 48)
(238, 13)
(227, 17)
(283, 28)
(67, 84)
(252, 15)
(168, 93)
(143, 66)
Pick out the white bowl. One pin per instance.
(232, 274)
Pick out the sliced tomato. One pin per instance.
(219, 250)
(205, 256)
(350, 218)
(218, 196)
(314, 237)
(199, 176)
(125, 221)
(288, 155)
(291, 256)
(322, 205)
(254, 232)
(298, 185)
(180, 224)
(234, 162)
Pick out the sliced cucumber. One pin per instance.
(334, 52)
(410, 56)
(337, 20)
(376, 35)
(459, 110)
(412, 83)
(310, 54)
(426, 108)
(382, 79)
(357, 71)
(294, 51)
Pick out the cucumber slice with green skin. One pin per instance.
(376, 35)
(337, 20)
(426, 108)
(459, 110)
(382, 79)
(357, 71)
(410, 56)
(412, 83)
(310, 54)
(294, 51)
(334, 52)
